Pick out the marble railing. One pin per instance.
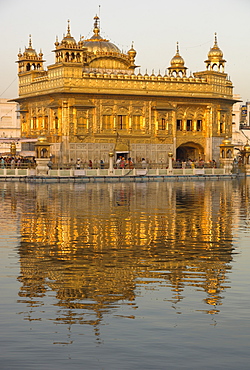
(7, 172)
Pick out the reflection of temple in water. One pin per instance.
(91, 244)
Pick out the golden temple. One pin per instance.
(92, 101)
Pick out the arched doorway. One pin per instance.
(189, 150)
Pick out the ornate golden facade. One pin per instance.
(91, 101)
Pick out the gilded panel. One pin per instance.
(122, 110)
(107, 110)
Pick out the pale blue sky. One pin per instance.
(154, 26)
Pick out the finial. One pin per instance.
(215, 39)
(30, 42)
(96, 25)
(56, 43)
(96, 18)
(177, 47)
(68, 34)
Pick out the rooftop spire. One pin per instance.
(177, 47)
(68, 33)
(96, 25)
(30, 42)
(215, 39)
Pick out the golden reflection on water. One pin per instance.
(88, 246)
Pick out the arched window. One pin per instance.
(162, 124)
(34, 123)
(136, 122)
(107, 122)
(179, 125)
(46, 122)
(66, 57)
(122, 122)
(56, 123)
(199, 125)
(189, 125)
(44, 153)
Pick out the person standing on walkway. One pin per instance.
(2, 162)
(90, 164)
(78, 163)
(118, 162)
(143, 163)
(101, 164)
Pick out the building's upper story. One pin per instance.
(97, 66)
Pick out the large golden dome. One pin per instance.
(97, 44)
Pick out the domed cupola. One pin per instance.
(215, 59)
(98, 44)
(30, 52)
(177, 65)
(132, 53)
(29, 60)
(68, 40)
(104, 55)
(68, 50)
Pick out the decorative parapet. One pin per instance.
(73, 80)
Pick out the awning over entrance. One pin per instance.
(121, 147)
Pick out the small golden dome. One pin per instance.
(226, 141)
(42, 139)
(215, 52)
(177, 60)
(56, 43)
(30, 51)
(247, 147)
(132, 52)
(68, 39)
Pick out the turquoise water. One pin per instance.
(125, 276)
